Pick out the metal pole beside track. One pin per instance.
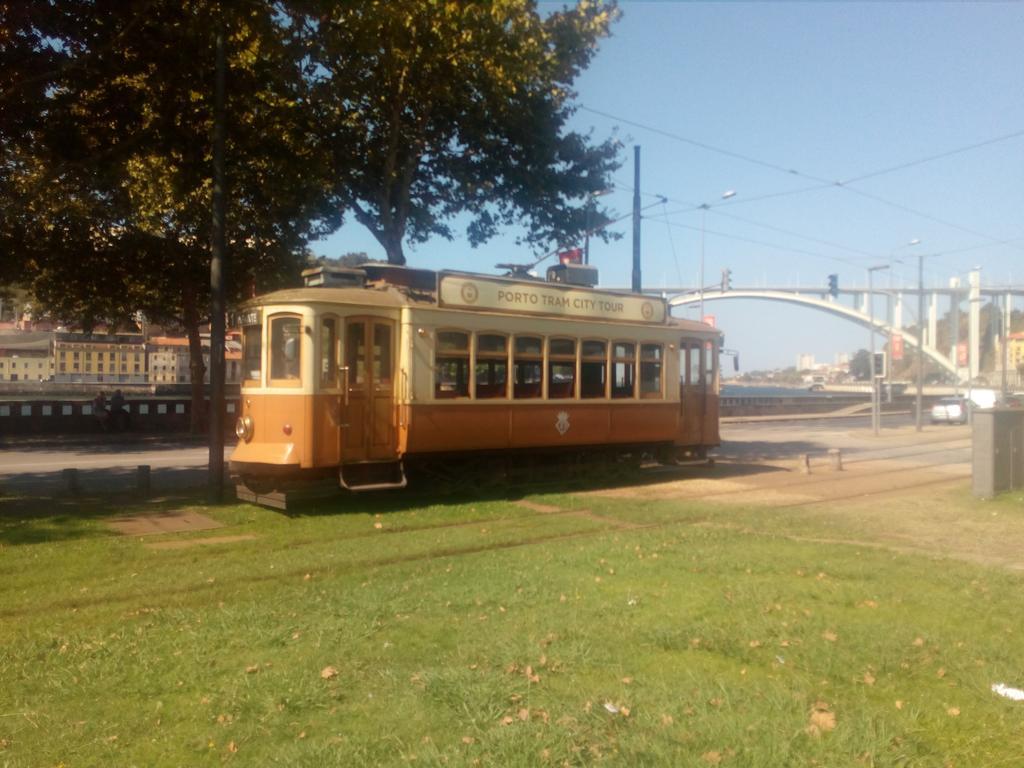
(920, 341)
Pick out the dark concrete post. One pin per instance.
(71, 481)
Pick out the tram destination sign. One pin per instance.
(547, 299)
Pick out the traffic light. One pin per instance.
(879, 365)
(726, 279)
(833, 285)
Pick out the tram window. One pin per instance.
(528, 367)
(451, 365)
(694, 367)
(593, 369)
(329, 352)
(252, 352)
(709, 364)
(491, 371)
(650, 370)
(623, 369)
(561, 368)
(285, 348)
(381, 354)
(355, 353)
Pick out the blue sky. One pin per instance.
(834, 91)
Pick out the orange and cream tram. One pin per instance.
(381, 366)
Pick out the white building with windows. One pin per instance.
(26, 356)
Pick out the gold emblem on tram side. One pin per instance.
(647, 310)
(562, 422)
(469, 293)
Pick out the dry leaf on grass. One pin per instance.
(328, 672)
(712, 758)
(252, 669)
(821, 720)
(953, 711)
(830, 635)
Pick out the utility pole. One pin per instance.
(215, 494)
(954, 329)
(920, 341)
(636, 219)
(1005, 339)
(876, 417)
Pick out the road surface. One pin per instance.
(28, 466)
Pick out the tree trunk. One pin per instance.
(197, 421)
(393, 248)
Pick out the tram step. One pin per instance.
(378, 476)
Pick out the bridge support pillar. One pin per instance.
(974, 322)
(933, 321)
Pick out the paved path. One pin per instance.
(35, 466)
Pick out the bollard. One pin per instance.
(807, 463)
(142, 479)
(71, 481)
(836, 456)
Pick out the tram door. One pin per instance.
(692, 391)
(370, 410)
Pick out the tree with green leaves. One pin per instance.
(860, 365)
(106, 165)
(433, 110)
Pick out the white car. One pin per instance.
(950, 410)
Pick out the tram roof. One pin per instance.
(389, 296)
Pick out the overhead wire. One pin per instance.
(761, 242)
(672, 246)
(822, 182)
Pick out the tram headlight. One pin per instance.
(244, 428)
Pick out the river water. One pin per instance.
(734, 390)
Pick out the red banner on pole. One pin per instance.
(961, 353)
(709, 320)
(897, 346)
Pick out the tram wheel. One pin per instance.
(258, 484)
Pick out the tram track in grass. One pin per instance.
(602, 524)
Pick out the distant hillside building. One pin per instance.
(26, 356)
(1015, 350)
(99, 358)
(168, 358)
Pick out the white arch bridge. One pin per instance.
(889, 321)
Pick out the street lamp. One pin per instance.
(875, 416)
(703, 218)
(891, 315)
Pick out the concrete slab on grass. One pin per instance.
(163, 522)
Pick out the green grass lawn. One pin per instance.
(388, 631)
